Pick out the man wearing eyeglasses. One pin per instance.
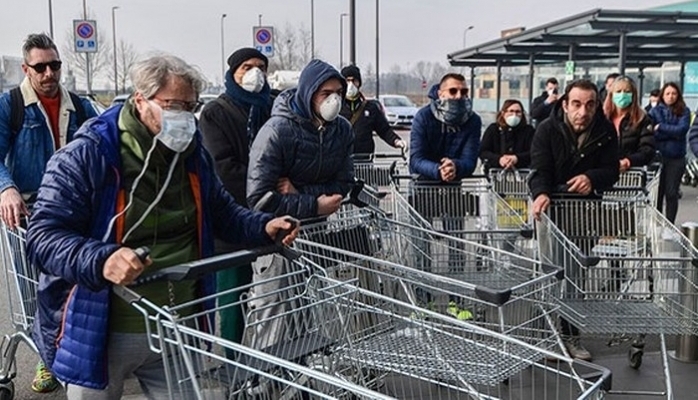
(41, 119)
(50, 120)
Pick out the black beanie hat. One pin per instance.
(244, 54)
(352, 71)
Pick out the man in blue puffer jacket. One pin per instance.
(137, 175)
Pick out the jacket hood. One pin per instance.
(434, 92)
(312, 77)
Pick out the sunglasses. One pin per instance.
(41, 67)
(455, 91)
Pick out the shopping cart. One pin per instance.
(627, 270)
(420, 354)
(378, 169)
(322, 350)
(500, 290)
(512, 186)
(646, 178)
(22, 282)
(283, 356)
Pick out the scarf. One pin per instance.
(451, 112)
(258, 104)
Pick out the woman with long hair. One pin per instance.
(633, 126)
(671, 120)
(507, 142)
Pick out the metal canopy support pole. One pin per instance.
(499, 84)
(687, 345)
(682, 75)
(641, 84)
(352, 32)
(472, 85)
(622, 48)
(531, 72)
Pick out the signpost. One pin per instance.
(85, 35)
(263, 40)
(569, 71)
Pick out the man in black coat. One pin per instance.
(573, 151)
(543, 104)
(366, 117)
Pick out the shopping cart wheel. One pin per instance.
(635, 357)
(7, 390)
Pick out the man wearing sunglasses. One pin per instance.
(47, 120)
(445, 136)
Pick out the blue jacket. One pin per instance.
(316, 160)
(22, 163)
(670, 138)
(76, 200)
(431, 140)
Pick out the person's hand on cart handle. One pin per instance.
(286, 225)
(327, 205)
(624, 164)
(580, 184)
(12, 207)
(124, 266)
(540, 205)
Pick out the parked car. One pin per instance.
(399, 110)
(120, 99)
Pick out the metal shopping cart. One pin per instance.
(512, 186)
(646, 177)
(324, 350)
(627, 270)
(378, 169)
(22, 283)
(500, 290)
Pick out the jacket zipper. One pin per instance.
(321, 130)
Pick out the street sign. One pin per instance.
(569, 70)
(85, 35)
(263, 40)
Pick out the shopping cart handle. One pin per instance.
(596, 372)
(199, 268)
(526, 232)
(589, 261)
(493, 296)
(549, 268)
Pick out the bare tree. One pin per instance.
(292, 48)
(126, 56)
(98, 61)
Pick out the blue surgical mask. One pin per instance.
(622, 99)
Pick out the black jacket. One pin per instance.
(224, 134)
(539, 110)
(371, 119)
(556, 158)
(637, 144)
(497, 142)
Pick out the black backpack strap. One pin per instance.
(16, 112)
(79, 109)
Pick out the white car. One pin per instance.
(399, 110)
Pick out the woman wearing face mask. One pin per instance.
(135, 176)
(671, 119)
(506, 143)
(633, 126)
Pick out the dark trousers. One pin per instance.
(669, 184)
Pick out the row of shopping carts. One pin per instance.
(418, 290)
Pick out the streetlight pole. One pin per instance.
(50, 18)
(341, 39)
(113, 35)
(259, 16)
(312, 29)
(223, 46)
(465, 34)
(352, 32)
(87, 55)
(378, 70)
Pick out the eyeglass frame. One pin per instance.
(41, 67)
(179, 105)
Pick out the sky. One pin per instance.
(410, 30)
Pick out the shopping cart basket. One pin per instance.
(421, 354)
(283, 356)
(503, 291)
(22, 282)
(645, 178)
(512, 186)
(627, 270)
(378, 169)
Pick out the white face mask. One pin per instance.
(330, 107)
(352, 91)
(253, 80)
(177, 129)
(512, 120)
(653, 104)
